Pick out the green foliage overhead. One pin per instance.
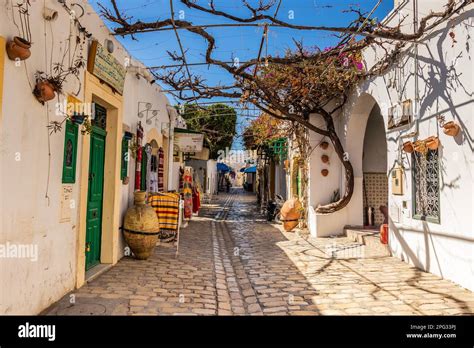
(217, 122)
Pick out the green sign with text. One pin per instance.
(106, 67)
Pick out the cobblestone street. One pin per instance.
(232, 262)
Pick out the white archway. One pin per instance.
(356, 122)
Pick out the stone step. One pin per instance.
(369, 238)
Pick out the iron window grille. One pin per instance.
(426, 202)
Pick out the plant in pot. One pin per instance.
(47, 85)
(451, 128)
(18, 48)
(408, 147)
(432, 142)
(78, 118)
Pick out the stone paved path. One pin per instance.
(232, 262)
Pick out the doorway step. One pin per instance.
(368, 237)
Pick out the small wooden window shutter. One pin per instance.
(70, 153)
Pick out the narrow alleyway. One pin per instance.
(232, 262)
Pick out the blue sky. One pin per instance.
(243, 43)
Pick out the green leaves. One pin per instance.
(217, 122)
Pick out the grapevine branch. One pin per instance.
(298, 84)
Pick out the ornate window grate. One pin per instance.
(426, 185)
(100, 117)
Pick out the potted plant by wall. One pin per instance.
(18, 48)
(78, 118)
(432, 142)
(420, 146)
(451, 128)
(408, 147)
(47, 85)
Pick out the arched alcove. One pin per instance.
(366, 145)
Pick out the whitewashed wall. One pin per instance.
(27, 215)
(212, 176)
(445, 86)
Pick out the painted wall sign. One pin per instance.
(106, 67)
(66, 203)
(188, 142)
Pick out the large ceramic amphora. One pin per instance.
(141, 227)
(291, 213)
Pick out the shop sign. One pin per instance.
(188, 142)
(106, 67)
(66, 204)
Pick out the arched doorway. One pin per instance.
(374, 169)
(366, 145)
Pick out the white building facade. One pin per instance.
(429, 198)
(38, 207)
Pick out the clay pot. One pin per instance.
(18, 48)
(324, 172)
(78, 119)
(451, 128)
(325, 158)
(290, 213)
(44, 91)
(141, 227)
(408, 147)
(420, 146)
(432, 143)
(324, 145)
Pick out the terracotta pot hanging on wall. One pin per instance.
(432, 143)
(44, 91)
(325, 158)
(420, 146)
(324, 145)
(324, 172)
(451, 128)
(18, 48)
(408, 147)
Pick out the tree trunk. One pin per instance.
(348, 170)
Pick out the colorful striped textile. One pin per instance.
(161, 169)
(166, 206)
(188, 194)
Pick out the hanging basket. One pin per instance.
(451, 128)
(408, 147)
(432, 143)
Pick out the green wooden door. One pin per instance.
(95, 197)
